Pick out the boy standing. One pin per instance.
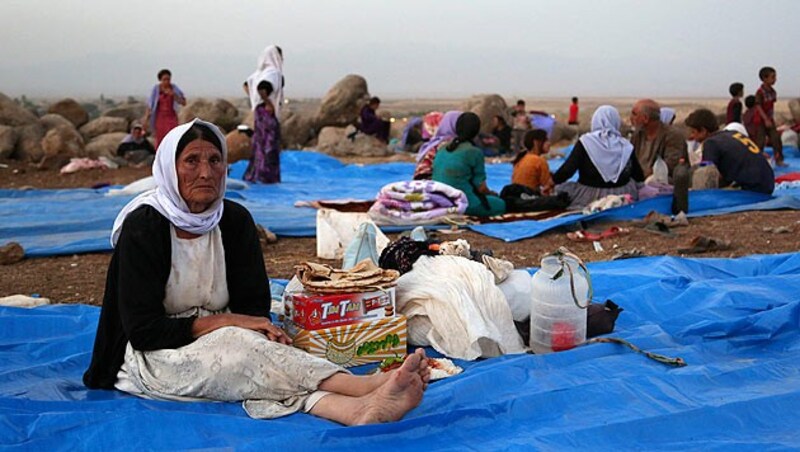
(521, 124)
(734, 113)
(765, 109)
(573, 112)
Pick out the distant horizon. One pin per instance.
(410, 49)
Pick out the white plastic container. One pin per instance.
(660, 171)
(558, 318)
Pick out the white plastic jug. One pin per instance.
(560, 294)
(660, 171)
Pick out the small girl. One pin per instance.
(265, 164)
(530, 168)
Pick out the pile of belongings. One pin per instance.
(417, 202)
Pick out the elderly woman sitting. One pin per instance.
(186, 309)
(604, 161)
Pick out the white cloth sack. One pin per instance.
(23, 301)
(335, 230)
(453, 305)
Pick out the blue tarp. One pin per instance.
(736, 322)
(52, 222)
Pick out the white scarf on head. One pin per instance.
(166, 197)
(270, 69)
(607, 149)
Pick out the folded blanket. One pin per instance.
(417, 202)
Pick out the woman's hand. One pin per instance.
(263, 325)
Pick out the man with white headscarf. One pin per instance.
(604, 161)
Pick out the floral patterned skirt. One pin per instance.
(229, 364)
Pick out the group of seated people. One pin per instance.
(606, 162)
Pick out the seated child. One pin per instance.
(530, 168)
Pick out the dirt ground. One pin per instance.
(81, 278)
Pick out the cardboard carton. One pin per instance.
(316, 311)
(356, 344)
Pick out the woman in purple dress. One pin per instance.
(265, 164)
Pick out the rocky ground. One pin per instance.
(81, 278)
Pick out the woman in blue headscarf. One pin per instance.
(603, 160)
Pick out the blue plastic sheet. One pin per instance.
(56, 222)
(736, 322)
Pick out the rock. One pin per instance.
(131, 111)
(239, 146)
(297, 130)
(794, 108)
(104, 125)
(342, 103)
(60, 145)
(29, 138)
(220, 112)
(71, 110)
(11, 253)
(52, 120)
(334, 141)
(104, 145)
(486, 107)
(14, 115)
(562, 132)
(8, 139)
(250, 118)
(265, 236)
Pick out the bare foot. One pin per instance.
(424, 370)
(399, 395)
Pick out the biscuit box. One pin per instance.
(353, 345)
(313, 311)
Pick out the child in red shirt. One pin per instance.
(573, 112)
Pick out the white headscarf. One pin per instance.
(166, 197)
(607, 149)
(270, 69)
(737, 127)
(667, 115)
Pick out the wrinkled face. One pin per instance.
(201, 171)
(638, 118)
(698, 135)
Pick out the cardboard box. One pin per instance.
(316, 311)
(353, 345)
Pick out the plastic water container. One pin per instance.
(660, 171)
(558, 319)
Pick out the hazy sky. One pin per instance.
(428, 48)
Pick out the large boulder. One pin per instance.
(563, 132)
(297, 130)
(8, 139)
(343, 102)
(794, 108)
(239, 146)
(103, 125)
(52, 120)
(104, 145)
(72, 110)
(14, 115)
(131, 111)
(486, 107)
(61, 144)
(219, 111)
(334, 141)
(29, 139)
